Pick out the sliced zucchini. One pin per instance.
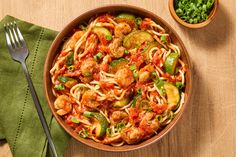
(126, 16)
(148, 48)
(136, 38)
(173, 95)
(171, 62)
(102, 33)
(121, 103)
(99, 121)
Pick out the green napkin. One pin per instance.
(19, 122)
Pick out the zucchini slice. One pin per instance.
(136, 38)
(99, 121)
(121, 103)
(103, 33)
(126, 16)
(173, 95)
(171, 62)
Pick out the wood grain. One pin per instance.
(207, 128)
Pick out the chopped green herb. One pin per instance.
(126, 52)
(120, 126)
(71, 68)
(193, 11)
(75, 120)
(108, 37)
(179, 85)
(154, 75)
(145, 105)
(159, 118)
(160, 85)
(136, 97)
(135, 74)
(88, 114)
(163, 39)
(70, 60)
(81, 89)
(132, 67)
(59, 87)
(108, 132)
(83, 133)
(63, 79)
(115, 62)
(98, 56)
(138, 21)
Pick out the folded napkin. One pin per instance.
(19, 122)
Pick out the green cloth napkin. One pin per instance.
(19, 122)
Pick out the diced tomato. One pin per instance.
(105, 67)
(133, 112)
(156, 60)
(145, 24)
(96, 76)
(104, 18)
(107, 85)
(158, 108)
(68, 120)
(73, 74)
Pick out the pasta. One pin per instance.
(118, 79)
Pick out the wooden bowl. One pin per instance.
(197, 25)
(55, 48)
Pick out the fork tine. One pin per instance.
(11, 36)
(20, 35)
(8, 38)
(15, 34)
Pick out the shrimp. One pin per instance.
(149, 124)
(124, 77)
(89, 99)
(63, 105)
(145, 73)
(122, 29)
(115, 47)
(88, 67)
(119, 116)
(70, 43)
(132, 135)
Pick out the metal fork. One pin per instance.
(19, 52)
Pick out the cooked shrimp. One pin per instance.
(119, 116)
(63, 105)
(124, 77)
(149, 124)
(89, 99)
(70, 43)
(116, 49)
(122, 29)
(145, 73)
(88, 66)
(132, 135)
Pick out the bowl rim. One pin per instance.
(55, 46)
(212, 15)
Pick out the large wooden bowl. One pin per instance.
(55, 49)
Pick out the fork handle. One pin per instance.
(39, 110)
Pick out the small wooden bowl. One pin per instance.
(55, 49)
(197, 25)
